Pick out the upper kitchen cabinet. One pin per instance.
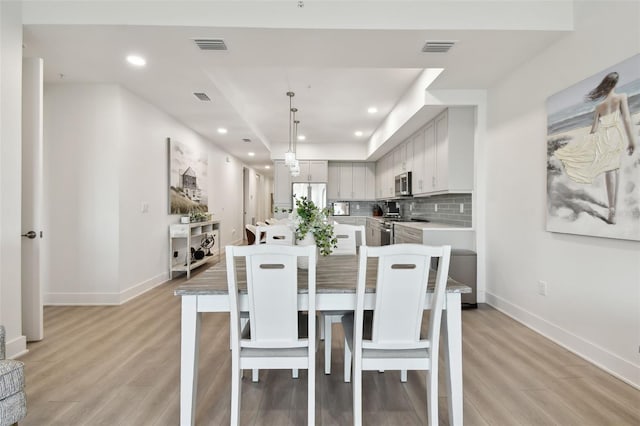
(384, 176)
(351, 181)
(282, 184)
(403, 158)
(418, 176)
(445, 149)
(312, 171)
(364, 181)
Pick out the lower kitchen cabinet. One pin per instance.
(434, 234)
(406, 235)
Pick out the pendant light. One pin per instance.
(295, 169)
(290, 155)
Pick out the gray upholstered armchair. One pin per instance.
(13, 401)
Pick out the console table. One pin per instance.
(191, 235)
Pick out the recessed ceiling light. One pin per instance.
(251, 154)
(136, 60)
(301, 137)
(222, 130)
(267, 167)
(358, 133)
(372, 110)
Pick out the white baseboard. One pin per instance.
(143, 287)
(16, 347)
(611, 363)
(67, 299)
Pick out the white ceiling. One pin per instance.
(336, 74)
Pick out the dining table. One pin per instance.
(336, 278)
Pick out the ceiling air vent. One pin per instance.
(210, 44)
(246, 140)
(202, 96)
(437, 46)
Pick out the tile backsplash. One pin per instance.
(438, 208)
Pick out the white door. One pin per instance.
(32, 199)
(247, 214)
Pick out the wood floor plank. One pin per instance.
(120, 365)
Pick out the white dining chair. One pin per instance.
(277, 234)
(271, 340)
(346, 236)
(394, 342)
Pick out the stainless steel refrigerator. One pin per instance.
(316, 192)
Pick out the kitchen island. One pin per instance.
(434, 233)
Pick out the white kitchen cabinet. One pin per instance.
(399, 157)
(281, 185)
(312, 171)
(418, 175)
(351, 181)
(333, 183)
(346, 181)
(440, 182)
(359, 181)
(403, 158)
(446, 153)
(384, 175)
(370, 178)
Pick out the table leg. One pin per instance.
(452, 334)
(189, 360)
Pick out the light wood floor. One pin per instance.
(121, 365)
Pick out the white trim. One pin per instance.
(105, 298)
(143, 287)
(16, 347)
(81, 299)
(602, 358)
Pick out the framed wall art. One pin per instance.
(187, 178)
(593, 155)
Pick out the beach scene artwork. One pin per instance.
(187, 179)
(593, 155)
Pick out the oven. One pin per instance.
(385, 233)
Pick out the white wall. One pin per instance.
(82, 131)
(106, 155)
(10, 174)
(593, 302)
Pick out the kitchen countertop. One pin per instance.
(412, 224)
(433, 226)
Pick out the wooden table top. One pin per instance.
(334, 274)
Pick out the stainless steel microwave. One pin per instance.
(403, 184)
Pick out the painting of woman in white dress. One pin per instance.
(593, 176)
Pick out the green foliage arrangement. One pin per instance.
(309, 218)
(198, 216)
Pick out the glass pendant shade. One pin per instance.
(289, 158)
(290, 155)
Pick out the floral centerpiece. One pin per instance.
(308, 218)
